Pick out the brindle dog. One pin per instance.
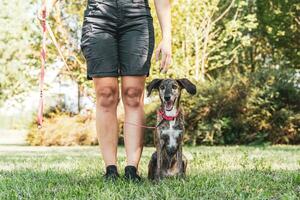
(168, 159)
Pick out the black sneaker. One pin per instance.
(130, 173)
(111, 173)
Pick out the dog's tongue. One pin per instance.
(169, 105)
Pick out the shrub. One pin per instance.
(63, 130)
(256, 108)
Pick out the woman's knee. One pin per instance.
(107, 96)
(132, 96)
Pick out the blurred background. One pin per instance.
(243, 55)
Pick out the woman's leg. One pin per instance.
(133, 100)
(107, 97)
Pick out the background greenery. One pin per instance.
(242, 55)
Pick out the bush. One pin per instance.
(259, 107)
(256, 108)
(60, 129)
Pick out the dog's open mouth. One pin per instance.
(169, 105)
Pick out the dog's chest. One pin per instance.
(171, 129)
(170, 125)
(176, 124)
(171, 170)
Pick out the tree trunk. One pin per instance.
(204, 49)
(78, 97)
(197, 60)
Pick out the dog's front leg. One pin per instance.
(159, 159)
(152, 166)
(159, 146)
(179, 161)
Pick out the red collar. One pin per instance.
(168, 118)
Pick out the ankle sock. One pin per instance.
(131, 173)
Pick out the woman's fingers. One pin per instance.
(166, 64)
(163, 60)
(168, 61)
(164, 53)
(157, 52)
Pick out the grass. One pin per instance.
(213, 173)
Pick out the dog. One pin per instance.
(168, 160)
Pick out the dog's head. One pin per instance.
(170, 90)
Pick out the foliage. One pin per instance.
(258, 108)
(235, 50)
(212, 173)
(60, 129)
(66, 22)
(209, 37)
(16, 58)
(280, 24)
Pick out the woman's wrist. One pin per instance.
(167, 37)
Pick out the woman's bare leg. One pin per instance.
(107, 96)
(133, 100)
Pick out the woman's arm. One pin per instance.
(164, 49)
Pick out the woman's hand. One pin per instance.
(164, 51)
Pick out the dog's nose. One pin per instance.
(171, 151)
(167, 98)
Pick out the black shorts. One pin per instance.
(117, 38)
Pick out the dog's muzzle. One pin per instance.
(171, 151)
(169, 103)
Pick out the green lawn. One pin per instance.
(213, 173)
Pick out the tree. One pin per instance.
(280, 24)
(16, 58)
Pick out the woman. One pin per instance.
(118, 40)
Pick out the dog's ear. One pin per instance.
(188, 85)
(153, 85)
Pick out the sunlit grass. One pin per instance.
(213, 173)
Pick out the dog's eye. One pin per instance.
(165, 137)
(174, 87)
(162, 87)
